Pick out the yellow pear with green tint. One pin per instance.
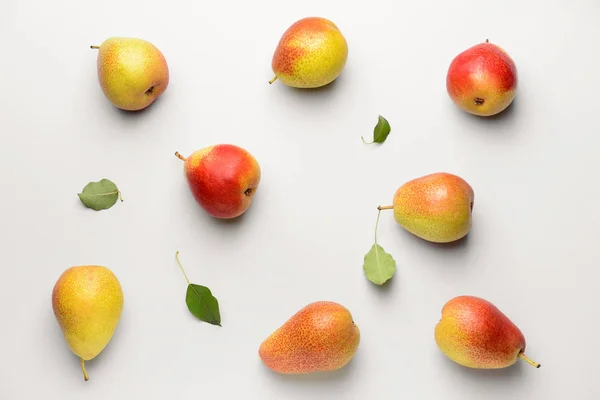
(436, 207)
(311, 53)
(87, 302)
(132, 72)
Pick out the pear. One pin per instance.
(435, 207)
(482, 80)
(476, 334)
(222, 178)
(132, 72)
(311, 53)
(320, 337)
(87, 302)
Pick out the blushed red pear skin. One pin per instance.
(321, 337)
(223, 179)
(474, 333)
(482, 80)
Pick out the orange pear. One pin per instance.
(320, 337)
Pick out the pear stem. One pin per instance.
(94, 47)
(182, 158)
(273, 80)
(530, 361)
(85, 375)
(377, 224)
(385, 208)
(181, 266)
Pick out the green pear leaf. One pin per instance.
(100, 195)
(202, 304)
(380, 132)
(200, 300)
(379, 266)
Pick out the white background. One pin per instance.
(532, 250)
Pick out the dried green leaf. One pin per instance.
(379, 266)
(202, 304)
(100, 195)
(380, 132)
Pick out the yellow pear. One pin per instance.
(132, 72)
(311, 53)
(87, 302)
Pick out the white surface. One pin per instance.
(532, 250)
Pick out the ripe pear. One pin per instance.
(320, 337)
(476, 334)
(311, 53)
(223, 179)
(132, 72)
(482, 80)
(87, 302)
(435, 207)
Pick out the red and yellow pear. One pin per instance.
(482, 80)
(132, 72)
(320, 337)
(311, 53)
(87, 302)
(222, 178)
(435, 207)
(476, 334)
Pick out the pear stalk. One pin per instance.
(182, 158)
(530, 361)
(385, 208)
(273, 80)
(85, 374)
(94, 47)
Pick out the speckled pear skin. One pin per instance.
(482, 80)
(132, 72)
(476, 334)
(87, 302)
(435, 207)
(223, 179)
(310, 54)
(320, 337)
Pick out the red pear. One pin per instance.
(223, 179)
(482, 80)
(474, 333)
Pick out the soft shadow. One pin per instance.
(387, 288)
(321, 378)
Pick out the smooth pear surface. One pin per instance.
(320, 337)
(435, 207)
(132, 72)
(476, 334)
(223, 179)
(87, 302)
(311, 53)
(482, 80)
